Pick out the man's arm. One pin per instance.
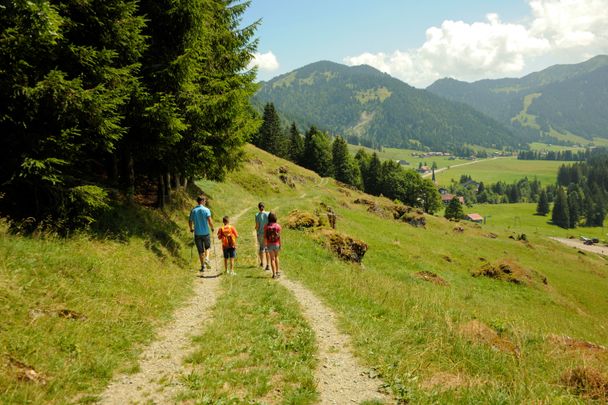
(190, 225)
(210, 222)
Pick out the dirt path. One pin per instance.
(602, 250)
(340, 379)
(161, 363)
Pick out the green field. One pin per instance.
(406, 154)
(520, 218)
(453, 338)
(546, 147)
(503, 169)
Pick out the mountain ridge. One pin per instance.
(371, 107)
(545, 96)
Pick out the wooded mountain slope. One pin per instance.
(567, 98)
(371, 107)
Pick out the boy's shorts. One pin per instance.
(262, 242)
(229, 253)
(273, 248)
(202, 242)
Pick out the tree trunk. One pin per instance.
(168, 187)
(130, 177)
(178, 181)
(161, 191)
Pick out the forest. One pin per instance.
(112, 99)
(317, 151)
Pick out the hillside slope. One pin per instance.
(443, 312)
(565, 98)
(372, 107)
(416, 313)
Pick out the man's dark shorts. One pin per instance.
(202, 242)
(229, 253)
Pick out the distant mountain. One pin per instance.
(563, 98)
(369, 106)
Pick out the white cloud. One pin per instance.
(265, 61)
(492, 48)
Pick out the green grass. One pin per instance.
(259, 349)
(503, 169)
(117, 292)
(406, 154)
(520, 218)
(546, 147)
(410, 330)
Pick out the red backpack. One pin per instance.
(272, 234)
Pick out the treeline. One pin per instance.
(566, 155)
(317, 151)
(582, 192)
(118, 95)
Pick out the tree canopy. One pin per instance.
(103, 95)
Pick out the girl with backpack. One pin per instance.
(272, 236)
(228, 235)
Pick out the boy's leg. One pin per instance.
(276, 260)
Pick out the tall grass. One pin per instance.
(76, 310)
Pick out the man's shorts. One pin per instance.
(202, 242)
(273, 248)
(229, 253)
(262, 242)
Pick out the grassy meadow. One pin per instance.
(76, 310)
(406, 154)
(508, 169)
(467, 339)
(419, 310)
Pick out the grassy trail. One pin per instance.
(161, 362)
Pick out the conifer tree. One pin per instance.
(296, 144)
(371, 180)
(454, 209)
(345, 169)
(574, 208)
(270, 136)
(317, 152)
(542, 208)
(560, 215)
(65, 78)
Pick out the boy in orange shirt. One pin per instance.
(228, 235)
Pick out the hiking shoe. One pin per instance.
(207, 263)
(267, 268)
(261, 264)
(232, 273)
(202, 269)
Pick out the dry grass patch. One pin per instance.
(297, 219)
(445, 381)
(479, 333)
(431, 277)
(587, 382)
(345, 247)
(505, 270)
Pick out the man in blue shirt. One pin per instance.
(200, 222)
(261, 219)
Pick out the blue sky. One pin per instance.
(420, 42)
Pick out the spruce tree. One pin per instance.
(270, 136)
(560, 215)
(296, 144)
(66, 73)
(345, 169)
(574, 208)
(542, 208)
(317, 152)
(454, 209)
(371, 180)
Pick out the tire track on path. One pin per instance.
(340, 378)
(161, 363)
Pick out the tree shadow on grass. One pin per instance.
(162, 234)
